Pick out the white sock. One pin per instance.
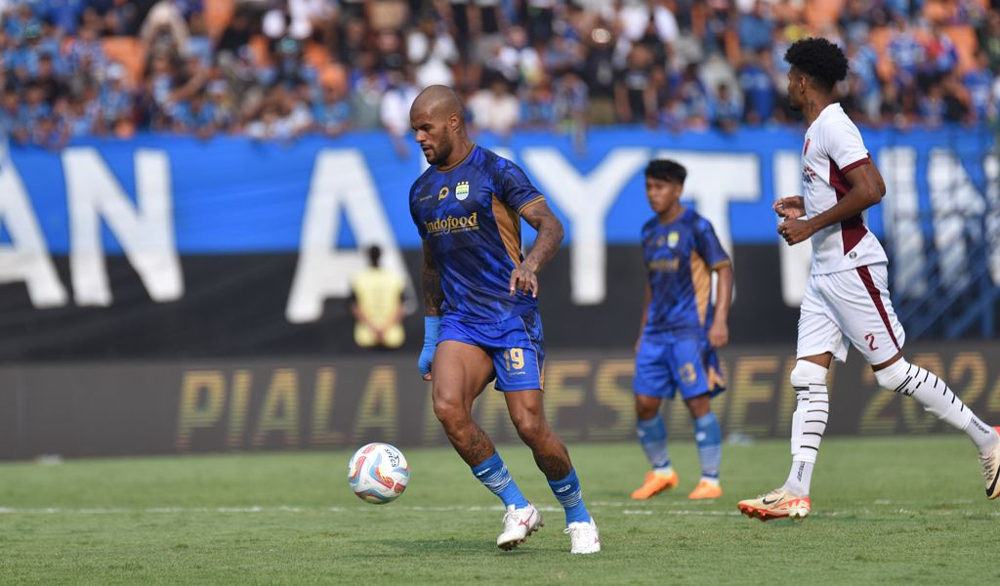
(799, 478)
(934, 394)
(812, 408)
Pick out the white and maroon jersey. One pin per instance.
(833, 147)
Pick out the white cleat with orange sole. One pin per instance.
(777, 504)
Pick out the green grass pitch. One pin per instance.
(889, 511)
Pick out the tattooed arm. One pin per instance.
(431, 281)
(550, 234)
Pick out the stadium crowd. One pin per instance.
(274, 69)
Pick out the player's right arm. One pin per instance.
(845, 149)
(433, 299)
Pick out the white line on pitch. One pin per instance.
(665, 508)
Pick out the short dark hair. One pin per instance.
(819, 59)
(666, 170)
(374, 254)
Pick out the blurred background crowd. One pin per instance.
(274, 69)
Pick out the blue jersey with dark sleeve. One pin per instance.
(469, 216)
(680, 257)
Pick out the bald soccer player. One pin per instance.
(482, 318)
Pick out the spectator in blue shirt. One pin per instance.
(18, 21)
(10, 118)
(538, 109)
(115, 102)
(940, 53)
(34, 107)
(64, 14)
(86, 51)
(979, 83)
(758, 89)
(755, 28)
(931, 106)
(906, 54)
(332, 113)
(81, 117)
(694, 99)
(195, 116)
(726, 109)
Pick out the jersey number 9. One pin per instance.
(514, 357)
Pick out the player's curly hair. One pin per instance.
(666, 170)
(819, 59)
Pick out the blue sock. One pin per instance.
(570, 496)
(708, 436)
(653, 437)
(494, 475)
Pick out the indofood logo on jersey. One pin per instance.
(665, 265)
(450, 224)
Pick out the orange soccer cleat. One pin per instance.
(706, 489)
(654, 484)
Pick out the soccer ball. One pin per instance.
(378, 473)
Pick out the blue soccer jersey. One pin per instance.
(680, 257)
(470, 218)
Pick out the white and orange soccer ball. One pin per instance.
(378, 473)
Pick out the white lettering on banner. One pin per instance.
(901, 220)
(957, 207)
(585, 200)
(795, 260)
(340, 182)
(26, 258)
(145, 230)
(991, 166)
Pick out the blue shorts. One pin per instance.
(515, 345)
(666, 363)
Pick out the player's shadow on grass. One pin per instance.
(447, 545)
(450, 546)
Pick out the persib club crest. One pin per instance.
(672, 239)
(462, 190)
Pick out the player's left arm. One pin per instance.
(709, 248)
(524, 277)
(718, 334)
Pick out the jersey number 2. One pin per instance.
(870, 337)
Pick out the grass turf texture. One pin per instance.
(895, 511)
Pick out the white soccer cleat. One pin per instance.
(518, 524)
(777, 504)
(583, 537)
(991, 469)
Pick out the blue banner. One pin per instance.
(232, 195)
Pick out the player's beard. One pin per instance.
(795, 105)
(439, 153)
